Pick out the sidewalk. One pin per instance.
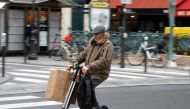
(4, 79)
(42, 60)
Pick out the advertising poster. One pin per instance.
(100, 16)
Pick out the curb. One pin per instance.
(5, 79)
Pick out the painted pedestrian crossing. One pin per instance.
(42, 75)
(28, 102)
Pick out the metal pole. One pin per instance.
(4, 37)
(145, 61)
(122, 29)
(172, 5)
(3, 61)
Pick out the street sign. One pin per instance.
(126, 1)
(100, 4)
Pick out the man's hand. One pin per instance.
(84, 70)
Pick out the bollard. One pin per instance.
(3, 61)
(145, 62)
(3, 49)
(145, 54)
(33, 45)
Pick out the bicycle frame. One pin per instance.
(143, 47)
(155, 55)
(68, 49)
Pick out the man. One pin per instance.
(97, 57)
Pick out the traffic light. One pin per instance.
(119, 9)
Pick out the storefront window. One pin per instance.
(43, 17)
(31, 16)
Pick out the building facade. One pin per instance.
(21, 16)
(57, 16)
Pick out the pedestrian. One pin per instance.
(97, 57)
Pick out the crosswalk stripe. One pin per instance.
(31, 104)
(111, 79)
(160, 72)
(155, 71)
(29, 80)
(9, 83)
(125, 76)
(33, 71)
(18, 98)
(169, 73)
(31, 75)
(140, 74)
(55, 68)
(32, 65)
(116, 72)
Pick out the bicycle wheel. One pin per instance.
(135, 58)
(116, 55)
(56, 53)
(159, 59)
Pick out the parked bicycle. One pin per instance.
(157, 56)
(63, 50)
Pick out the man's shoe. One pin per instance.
(103, 107)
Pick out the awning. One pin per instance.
(63, 3)
(183, 8)
(142, 4)
(69, 3)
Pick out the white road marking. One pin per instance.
(140, 74)
(152, 71)
(30, 75)
(111, 79)
(33, 71)
(18, 98)
(125, 76)
(29, 80)
(31, 104)
(9, 83)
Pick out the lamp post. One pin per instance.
(172, 5)
(122, 30)
(3, 44)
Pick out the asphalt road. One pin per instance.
(140, 97)
(130, 88)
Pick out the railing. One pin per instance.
(134, 38)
